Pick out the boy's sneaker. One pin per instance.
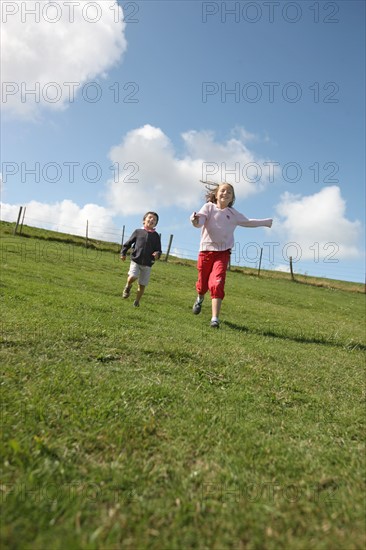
(197, 306)
(126, 291)
(136, 304)
(215, 323)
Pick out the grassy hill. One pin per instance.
(145, 428)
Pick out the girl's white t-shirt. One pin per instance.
(218, 226)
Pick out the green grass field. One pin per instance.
(129, 428)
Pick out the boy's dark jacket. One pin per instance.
(144, 243)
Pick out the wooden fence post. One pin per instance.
(86, 234)
(123, 236)
(21, 226)
(260, 262)
(292, 272)
(169, 246)
(18, 220)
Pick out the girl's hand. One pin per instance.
(156, 255)
(123, 258)
(195, 219)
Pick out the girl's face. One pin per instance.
(224, 195)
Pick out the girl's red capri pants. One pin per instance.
(212, 268)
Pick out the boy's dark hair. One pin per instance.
(212, 188)
(154, 214)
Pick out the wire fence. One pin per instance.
(265, 260)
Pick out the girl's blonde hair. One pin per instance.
(212, 189)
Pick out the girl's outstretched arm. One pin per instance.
(197, 220)
(246, 222)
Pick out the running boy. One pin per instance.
(146, 249)
(218, 220)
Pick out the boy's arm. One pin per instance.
(127, 245)
(158, 252)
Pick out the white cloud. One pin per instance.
(183, 253)
(9, 212)
(152, 175)
(282, 267)
(68, 44)
(66, 217)
(318, 224)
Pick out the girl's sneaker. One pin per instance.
(197, 306)
(215, 323)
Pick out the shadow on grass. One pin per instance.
(304, 339)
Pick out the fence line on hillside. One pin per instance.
(180, 250)
(87, 237)
(122, 240)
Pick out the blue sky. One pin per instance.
(266, 95)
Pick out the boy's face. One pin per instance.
(150, 221)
